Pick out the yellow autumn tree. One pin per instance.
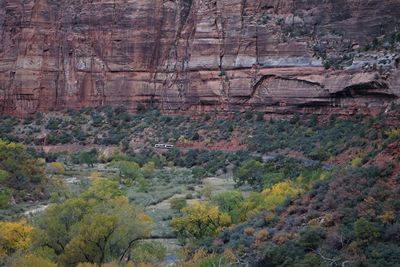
(57, 168)
(268, 199)
(33, 261)
(200, 220)
(278, 193)
(14, 236)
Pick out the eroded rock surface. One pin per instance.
(198, 55)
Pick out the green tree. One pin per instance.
(250, 172)
(88, 158)
(129, 170)
(54, 226)
(178, 203)
(228, 202)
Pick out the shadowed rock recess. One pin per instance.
(278, 56)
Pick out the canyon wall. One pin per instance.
(275, 56)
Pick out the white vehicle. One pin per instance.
(163, 146)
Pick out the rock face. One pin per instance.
(199, 55)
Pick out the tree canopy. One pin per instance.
(98, 226)
(200, 221)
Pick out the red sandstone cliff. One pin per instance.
(199, 54)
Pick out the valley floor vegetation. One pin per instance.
(236, 190)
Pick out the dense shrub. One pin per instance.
(311, 238)
(54, 123)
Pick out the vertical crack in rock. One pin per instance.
(224, 80)
(189, 35)
(185, 8)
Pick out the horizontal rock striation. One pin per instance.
(198, 55)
